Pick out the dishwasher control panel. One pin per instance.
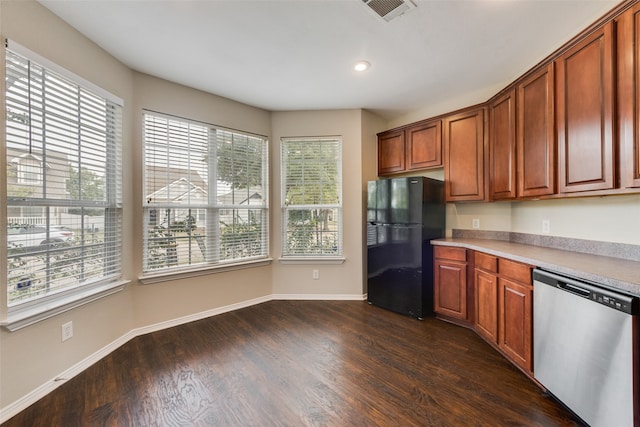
(615, 300)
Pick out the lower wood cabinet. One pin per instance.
(504, 306)
(516, 319)
(496, 299)
(486, 291)
(450, 282)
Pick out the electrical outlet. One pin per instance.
(315, 274)
(546, 226)
(67, 331)
(475, 223)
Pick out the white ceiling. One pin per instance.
(299, 54)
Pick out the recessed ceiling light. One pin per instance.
(361, 66)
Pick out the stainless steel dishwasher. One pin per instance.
(585, 353)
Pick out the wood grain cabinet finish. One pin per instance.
(450, 282)
(424, 145)
(391, 152)
(415, 147)
(464, 165)
(585, 118)
(502, 147)
(504, 307)
(536, 144)
(516, 318)
(516, 312)
(628, 31)
(486, 293)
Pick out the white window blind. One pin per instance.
(205, 194)
(64, 181)
(312, 197)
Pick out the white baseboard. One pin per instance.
(319, 297)
(199, 316)
(30, 398)
(27, 400)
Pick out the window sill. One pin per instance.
(19, 318)
(312, 260)
(203, 271)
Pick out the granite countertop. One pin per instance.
(613, 273)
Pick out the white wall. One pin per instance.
(371, 126)
(492, 216)
(35, 355)
(607, 219)
(346, 279)
(156, 303)
(32, 357)
(24, 369)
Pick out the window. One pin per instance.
(63, 186)
(205, 195)
(30, 171)
(312, 197)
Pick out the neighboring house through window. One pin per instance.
(312, 197)
(30, 169)
(205, 195)
(63, 186)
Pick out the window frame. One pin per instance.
(21, 313)
(311, 258)
(210, 207)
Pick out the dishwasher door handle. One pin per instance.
(577, 290)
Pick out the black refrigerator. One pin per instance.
(403, 215)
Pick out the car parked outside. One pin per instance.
(36, 235)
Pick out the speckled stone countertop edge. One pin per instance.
(593, 247)
(613, 273)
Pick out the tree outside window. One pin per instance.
(312, 193)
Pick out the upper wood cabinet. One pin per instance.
(585, 114)
(570, 127)
(629, 96)
(502, 147)
(391, 152)
(418, 146)
(464, 143)
(424, 145)
(536, 134)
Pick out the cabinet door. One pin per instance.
(424, 145)
(585, 114)
(515, 327)
(450, 289)
(629, 96)
(391, 154)
(464, 156)
(486, 289)
(502, 143)
(536, 135)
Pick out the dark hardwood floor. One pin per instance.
(301, 363)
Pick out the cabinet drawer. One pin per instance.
(515, 271)
(454, 254)
(486, 262)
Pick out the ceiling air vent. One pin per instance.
(389, 9)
